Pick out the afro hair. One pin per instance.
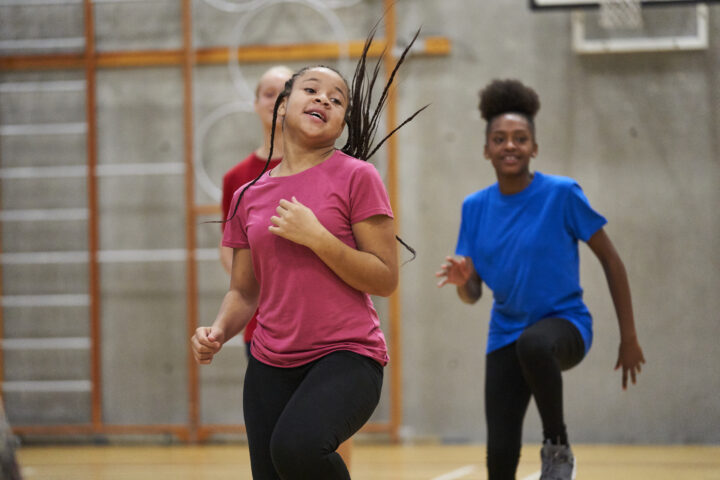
(504, 96)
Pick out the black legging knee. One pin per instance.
(531, 366)
(297, 417)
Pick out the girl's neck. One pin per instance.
(512, 185)
(297, 159)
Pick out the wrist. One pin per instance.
(319, 238)
(628, 338)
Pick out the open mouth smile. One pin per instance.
(317, 114)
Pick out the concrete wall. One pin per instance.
(638, 131)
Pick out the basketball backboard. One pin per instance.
(635, 25)
(572, 4)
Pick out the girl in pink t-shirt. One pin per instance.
(312, 239)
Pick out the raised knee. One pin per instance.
(531, 347)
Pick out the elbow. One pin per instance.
(470, 293)
(385, 292)
(470, 300)
(387, 287)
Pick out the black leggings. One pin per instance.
(297, 417)
(530, 366)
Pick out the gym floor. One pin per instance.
(369, 462)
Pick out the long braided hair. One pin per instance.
(361, 122)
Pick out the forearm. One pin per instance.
(620, 292)
(235, 312)
(361, 270)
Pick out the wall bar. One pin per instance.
(394, 306)
(106, 170)
(186, 58)
(212, 56)
(50, 300)
(43, 215)
(50, 86)
(43, 43)
(93, 223)
(48, 343)
(76, 128)
(188, 65)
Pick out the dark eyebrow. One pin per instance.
(318, 80)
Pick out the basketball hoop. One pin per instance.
(621, 14)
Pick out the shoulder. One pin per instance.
(557, 181)
(353, 169)
(480, 196)
(347, 163)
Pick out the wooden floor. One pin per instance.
(370, 462)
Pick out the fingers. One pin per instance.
(452, 261)
(447, 266)
(624, 378)
(452, 271)
(630, 359)
(204, 345)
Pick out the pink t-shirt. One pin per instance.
(305, 311)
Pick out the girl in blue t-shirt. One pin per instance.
(520, 236)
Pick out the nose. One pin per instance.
(322, 98)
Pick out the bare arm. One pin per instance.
(462, 274)
(226, 255)
(236, 310)
(630, 355)
(371, 268)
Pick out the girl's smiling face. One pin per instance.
(316, 106)
(510, 145)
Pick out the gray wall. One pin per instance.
(640, 132)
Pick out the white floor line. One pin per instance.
(532, 476)
(459, 473)
(28, 472)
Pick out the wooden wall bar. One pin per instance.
(93, 225)
(395, 317)
(430, 46)
(187, 58)
(190, 220)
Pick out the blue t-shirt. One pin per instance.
(524, 247)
